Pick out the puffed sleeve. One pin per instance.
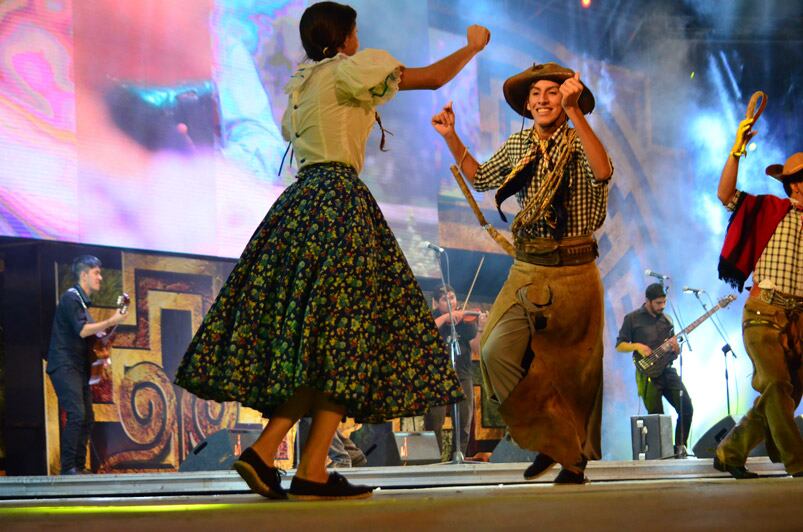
(370, 77)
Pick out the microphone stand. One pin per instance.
(454, 353)
(681, 416)
(725, 349)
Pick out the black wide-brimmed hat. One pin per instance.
(517, 88)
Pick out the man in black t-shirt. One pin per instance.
(642, 331)
(68, 361)
(466, 332)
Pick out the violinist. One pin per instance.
(466, 327)
(68, 361)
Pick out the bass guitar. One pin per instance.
(654, 364)
(100, 345)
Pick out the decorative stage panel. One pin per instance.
(143, 422)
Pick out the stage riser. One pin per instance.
(227, 482)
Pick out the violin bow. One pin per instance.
(471, 288)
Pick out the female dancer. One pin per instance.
(322, 313)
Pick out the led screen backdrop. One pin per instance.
(155, 124)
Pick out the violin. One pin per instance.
(471, 316)
(100, 347)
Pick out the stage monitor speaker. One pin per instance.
(378, 444)
(506, 451)
(707, 444)
(651, 436)
(218, 451)
(417, 448)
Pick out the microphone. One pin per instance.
(433, 247)
(726, 348)
(657, 275)
(693, 290)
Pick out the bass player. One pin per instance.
(642, 331)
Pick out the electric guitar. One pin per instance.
(653, 364)
(100, 345)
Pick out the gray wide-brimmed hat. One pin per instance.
(793, 165)
(517, 88)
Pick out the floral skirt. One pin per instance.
(322, 297)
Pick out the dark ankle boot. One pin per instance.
(570, 477)
(740, 472)
(540, 465)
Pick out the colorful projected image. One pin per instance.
(38, 182)
(180, 150)
(155, 125)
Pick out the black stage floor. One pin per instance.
(650, 495)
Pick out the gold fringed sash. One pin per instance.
(539, 206)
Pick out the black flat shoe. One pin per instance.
(569, 477)
(540, 465)
(740, 472)
(337, 487)
(261, 478)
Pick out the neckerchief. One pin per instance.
(526, 167)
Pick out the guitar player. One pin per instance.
(68, 360)
(642, 331)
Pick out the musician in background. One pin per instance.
(642, 331)
(68, 362)
(466, 332)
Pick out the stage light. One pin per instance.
(752, 147)
(585, 3)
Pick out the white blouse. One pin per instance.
(331, 105)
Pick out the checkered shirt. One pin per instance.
(588, 198)
(781, 262)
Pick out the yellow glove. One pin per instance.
(743, 135)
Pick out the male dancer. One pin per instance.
(765, 238)
(542, 347)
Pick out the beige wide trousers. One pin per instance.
(554, 405)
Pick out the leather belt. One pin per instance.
(571, 251)
(777, 299)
